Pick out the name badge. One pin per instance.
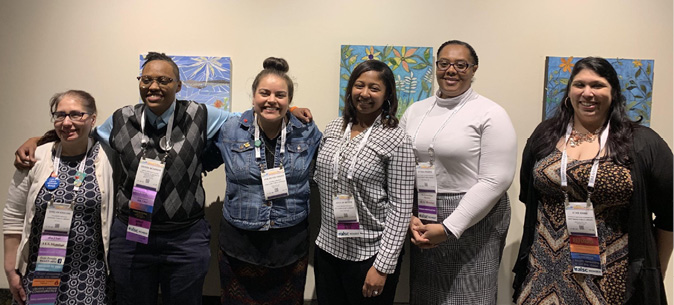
(427, 191)
(346, 215)
(58, 218)
(583, 239)
(274, 183)
(143, 195)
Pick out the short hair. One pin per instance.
(161, 56)
(278, 67)
(473, 54)
(389, 109)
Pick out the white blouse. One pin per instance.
(475, 151)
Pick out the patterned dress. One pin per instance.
(84, 276)
(551, 280)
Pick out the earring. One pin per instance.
(567, 101)
(387, 109)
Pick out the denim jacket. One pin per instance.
(245, 206)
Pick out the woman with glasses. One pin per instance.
(57, 217)
(365, 173)
(465, 147)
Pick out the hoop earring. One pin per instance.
(567, 101)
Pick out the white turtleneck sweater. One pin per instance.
(475, 152)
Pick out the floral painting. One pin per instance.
(205, 79)
(636, 81)
(411, 66)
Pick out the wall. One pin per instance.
(50, 46)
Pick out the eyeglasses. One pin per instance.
(162, 80)
(60, 116)
(459, 66)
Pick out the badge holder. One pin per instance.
(54, 239)
(346, 215)
(583, 238)
(274, 182)
(427, 191)
(580, 219)
(146, 186)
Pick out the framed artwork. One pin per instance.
(411, 66)
(205, 79)
(636, 81)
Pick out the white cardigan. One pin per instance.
(24, 187)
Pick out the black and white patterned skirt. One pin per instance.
(463, 271)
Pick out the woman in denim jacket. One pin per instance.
(264, 236)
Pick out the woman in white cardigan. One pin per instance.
(69, 187)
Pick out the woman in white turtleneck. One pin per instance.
(469, 143)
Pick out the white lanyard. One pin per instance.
(165, 142)
(458, 107)
(80, 167)
(258, 155)
(595, 165)
(345, 141)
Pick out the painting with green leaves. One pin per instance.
(636, 81)
(206, 79)
(411, 66)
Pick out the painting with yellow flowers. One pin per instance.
(206, 79)
(636, 81)
(411, 66)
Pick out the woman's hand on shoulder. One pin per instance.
(25, 154)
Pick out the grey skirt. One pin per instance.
(461, 271)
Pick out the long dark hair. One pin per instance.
(620, 131)
(390, 106)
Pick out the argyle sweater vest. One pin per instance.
(180, 200)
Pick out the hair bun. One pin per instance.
(274, 63)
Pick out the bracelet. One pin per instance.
(292, 108)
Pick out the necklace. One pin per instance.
(578, 138)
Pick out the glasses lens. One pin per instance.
(58, 116)
(442, 65)
(460, 66)
(164, 80)
(76, 116)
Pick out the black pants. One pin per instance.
(176, 260)
(340, 282)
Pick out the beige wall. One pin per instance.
(50, 46)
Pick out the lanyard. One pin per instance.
(346, 138)
(431, 151)
(165, 142)
(595, 165)
(258, 141)
(80, 167)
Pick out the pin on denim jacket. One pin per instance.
(244, 205)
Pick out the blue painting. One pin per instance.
(636, 81)
(411, 66)
(205, 79)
